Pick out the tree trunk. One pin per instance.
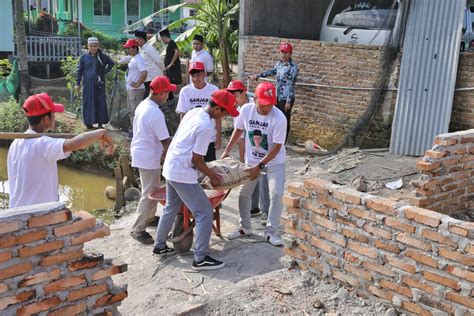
(22, 54)
(225, 63)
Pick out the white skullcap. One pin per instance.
(92, 40)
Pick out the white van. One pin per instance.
(467, 39)
(366, 22)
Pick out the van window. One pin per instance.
(472, 16)
(368, 14)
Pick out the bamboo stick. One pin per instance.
(34, 135)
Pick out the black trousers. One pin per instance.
(211, 153)
(281, 107)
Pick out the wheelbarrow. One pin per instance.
(183, 228)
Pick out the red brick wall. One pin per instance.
(43, 267)
(415, 259)
(325, 115)
(447, 184)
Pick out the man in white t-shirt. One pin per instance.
(265, 133)
(32, 162)
(154, 65)
(182, 163)
(202, 55)
(197, 94)
(134, 78)
(150, 141)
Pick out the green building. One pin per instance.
(110, 16)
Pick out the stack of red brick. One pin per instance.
(447, 183)
(43, 267)
(418, 260)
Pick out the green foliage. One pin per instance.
(106, 42)
(5, 67)
(13, 119)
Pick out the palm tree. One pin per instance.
(21, 49)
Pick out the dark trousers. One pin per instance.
(147, 89)
(211, 153)
(281, 107)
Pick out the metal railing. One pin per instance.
(53, 48)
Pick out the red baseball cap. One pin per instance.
(266, 94)
(286, 47)
(225, 100)
(131, 43)
(160, 84)
(40, 104)
(236, 85)
(197, 66)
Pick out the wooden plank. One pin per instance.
(127, 171)
(120, 199)
(28, 136)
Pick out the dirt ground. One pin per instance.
(254, 280)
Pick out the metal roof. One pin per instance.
(427, 74)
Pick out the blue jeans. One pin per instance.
(260, 197)
(194, 197)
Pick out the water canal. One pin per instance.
(79, 190)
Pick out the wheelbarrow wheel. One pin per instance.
(185, 244)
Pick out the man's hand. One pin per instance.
(106, 142)
(216, 180)
(168, 67)
(78, 90)
(287, 106)
(135, 85)
(218, 143)
(224, 154)
(254, 172)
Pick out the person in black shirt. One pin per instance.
(172, 62)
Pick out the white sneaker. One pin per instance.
(273, 240)
(239, 233)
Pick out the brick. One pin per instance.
(377, 231)
(446, 142)
(307, 250)
(86, 262)
(390, 247)
(323, 222)
(345, 278)
(423, 216)
(428, 301)
(42, 248)
(348, 196)
(110, 299)
(316, 266)
(318, 243)
(459, 230)
(292, 252)
(456, 256)
(334, 237)
(435, 236)
(17, 298)
(363, 249)
(3, 287)
(85, 221)
(64, 283)
(362, 214)
(435, 154)
(434, 277)
(61, 257)
(320, 210)
(298, 189)
(421, 258)
(70, 310)
(400, 264)
(15, 270)
(467, 139)
(40, 277)
(359, 272)
(419, 285)
(345, 221)
(460, 299)
(86, 291)
(403, 290)
(421, 201)
(378, 268)
(459, 272)
(12, 240)
(297, 211)
(355, 234)
(469, 249)
(8, 227)
(384, 294)
(319, 185)
(351, 258)
(38, 307)
(85, 237)
(50, 219)
(399, 225)
(291, 201)
(307, 227)
(427, 166)
(382, 205)
(414, 308)
(295, 232)
(5, 256)
(330, 202)
(410, 241)
(288, 221)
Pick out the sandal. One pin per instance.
(145, 238)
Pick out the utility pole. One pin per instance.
(21, 51)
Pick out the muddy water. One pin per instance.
(78, 190)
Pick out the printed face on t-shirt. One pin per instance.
(258, 139)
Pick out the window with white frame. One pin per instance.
(160, 20)
(133, 11)
(102, 12)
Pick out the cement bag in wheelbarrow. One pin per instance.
(231, 170)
